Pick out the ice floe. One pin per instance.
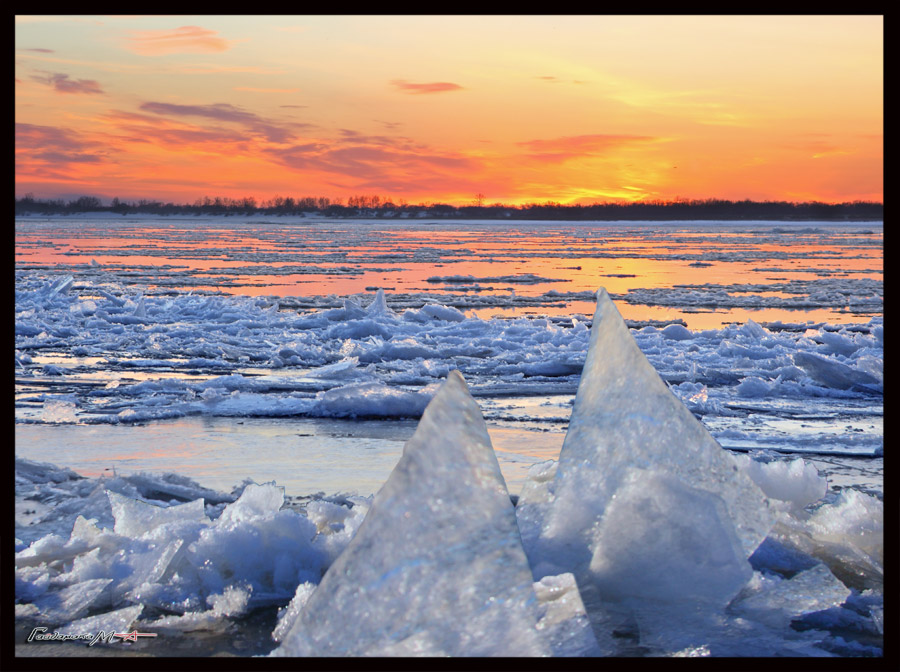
(634, 455)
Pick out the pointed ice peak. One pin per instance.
(437, 566)
(633, 451)
(451, 406)
(379, 307)
(625, 416)
(352, 310)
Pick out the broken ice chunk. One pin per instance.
(831, 373)
(848, 536)
(135, 518)
(255, 501)
(437, 566)
(775, 601)
(633, 451)
(564, 621)
(119, 620)
(230, 603)
(379, 307)
(61, 286)
(796, 482)
(663, 540)
(856, 519)
(71, 602)
(130, 567)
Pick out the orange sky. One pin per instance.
(439, 108)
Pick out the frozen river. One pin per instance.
(230, 350)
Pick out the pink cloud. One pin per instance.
(49, 148)
(426, 87)
(179, 40)
(374, 160)
(273, 130)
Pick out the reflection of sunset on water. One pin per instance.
(524, 259)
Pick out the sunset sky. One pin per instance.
(439, 108)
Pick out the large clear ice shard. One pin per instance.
(437, 566)
(640, 481)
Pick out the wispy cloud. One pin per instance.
(33, 136)
(273, 131)
(39, 50)
(63, 84)
(425, 87)
(374, 160)
(142, 128)
(49, 148)
(186, 39)
(575, 146)
(351, 136)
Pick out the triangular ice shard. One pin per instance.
(640, 481)
(379, 307)
(437, 566)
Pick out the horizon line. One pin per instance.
(375, 201)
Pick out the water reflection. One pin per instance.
(502, 259)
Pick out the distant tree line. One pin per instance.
(376, 206)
